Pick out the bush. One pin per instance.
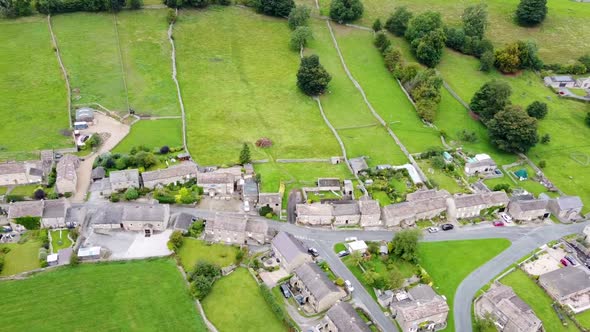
(131, 194)
(299, 16)
(312, 78)
(196, 228)
(74, 259)
(397, 23)
(300, 37)
(280, 8)
(537, 109)
(39, 194)
(135, 4)
(165, 149)
(176, 240)
(377, 26)
(201, 287)
(545, 139)
(503, 187)
(381, 42)
(29, 223)
(52, 195)
(263, 142)
(171, 16)
(344, 11)
(276, 308)
(531, 12)
(542, 164)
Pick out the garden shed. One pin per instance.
(522, 174)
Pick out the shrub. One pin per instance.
(545, 139)
(52, 195)
(74, 259)
(265, 210)
(344, 11)
(537, 109)
(263, 142)
(171, 16)
(280, 8)
(339, 282)
(467, 136)
(587, 119)
(29, 223)
(312, 78)
(299, 16)
(300, 37)
(165, 149)
(39, 194)
(393, 60)
(542, 164)
(176, 240)
(131, 194)
(531, 12)
(115, 197)
(398, 22)
(377, 26)
(503, 187)
(381, 42)
(135, 4)
(1, 263)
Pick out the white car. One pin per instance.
(505, 217)
(433, 229)
(350, 239)
(348, 285)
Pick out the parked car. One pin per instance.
(350, 239)
(571, 260)
(313, 251)
(505, 217)
(447, 227)
(286, 291)
(564, 261)
(348, 285)
(498, 223)
(343, 253)
(433, 229)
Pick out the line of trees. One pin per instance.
(15, 8)
(194, 3)
(345, 11)
(67, 6)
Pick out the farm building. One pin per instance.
(319, 293)
(560, 81)
(173, 174)
(420, 308)
(289, 251)
(343, 318)
(272, 200)
(54, 213)
(570, 286)
(566, 208)
(314, 214)
(182, 221)
(358, 164)
(121, 180)
(250, 191)
(370, 212)
(147, 218)
(346, 213)
(14, 173)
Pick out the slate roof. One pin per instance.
(110, 214)
(66, 167)
(314, 209)
(569, 202)
(315, 280)
(215, 178)
(250, 188)
(128, 175)
(183, 221)
(481, 163)
(25, 209)
(358, 164)
(512, 308)
(417, 309)
(145, 212)
(269, 198)
(406, 209)
(256, 226)
(530, 205)
(566, 281)
(328, 182)
(230, 223)
(346, 209)
(183, 169)
(490, 198)
(346, 319)
(98, 173)
(288, 246)
(12, 168)
(369, 206)
(55, 208)
(426, 194)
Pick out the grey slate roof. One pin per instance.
(288, 246)
(111, 214)
(566, 281)
(422, 292)
(182, 169)
(269, 198)
(12, 168)
(569, 202)
(345, 209)
(256, 226)
(215, 178)
(512, 308)
(426, 194)
(250, 188)
(314, 209)
(531, 205)
(490, 198)
(55, 208)
(328, 182)
(358, 164)
(128, 175)
(36, 171)
(25, 209)
(145, 212)
(369, 206)
(316, 280)
(230, 223)
(66, 167)
(98, 173)
(183, 221)
(346, 319)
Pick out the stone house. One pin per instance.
(66, 178)
(316, 214)
(370, 212)
(54, 213)
(346, 213)
(485, 166)
(289, 251)
(562, 81)
(216, 183)
(358, 164)
(144, 217)
(348, 189)
(121, 180)
(236, 230)
(319, 293)
(24, 209)
(427, 194)
(583, 82)
(570, 286)
(107, 217)
(14, 173)
(407, 213)
(329, 184)
(509, 312)
(528, 209)
(342, 318)
(272, 200)
(471, 205)
(250, 191)
(174, 174)
(566, 208)
(256, 231)
(420, 309)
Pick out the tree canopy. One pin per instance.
(475, 20)
(531, 12)
(280, 8)
(491, 98)
(537, 109)
(245, 154)
(513, 130)
(299, 37)
(312, 77)
(427, 38)
(405, 244)
(398, 21)
(422, 24)
(344, 11)
(15, 8)
(299, 16)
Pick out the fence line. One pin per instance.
(174, 72)
(122, 62)
(63, 70)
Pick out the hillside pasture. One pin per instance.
(153, 134)
(238, 78)
(33, 95)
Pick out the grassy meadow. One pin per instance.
(33, 95)
(153, 134)
(238, 79)
(194, 250)
(21, 258)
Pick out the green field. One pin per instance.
(449, 262)
(384, 93)
(146, 58)
(535, 297)
(59, 240)
(153, 134)
(90, 52)
(235, 304)
(584, 318)
(147, 295)
(21, 258)
(237, 76)
(33, 100)
(194, 250)
(559, 37)
(442, 179)
(345, 108)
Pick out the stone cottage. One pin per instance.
(66, 177)
(289, 251)
(420, 309)
(174, 174)
(319, 293)
(121, 180)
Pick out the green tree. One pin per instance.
(492, 97)
(542, 164)
(377, 26)
(206, 269)
(537, 109)
(588, 119)
(508, 59)
(15, 8)
(300, 37)
(201, 287)
(405, 244)
(531, 12)
(280, 8)
(475, 20)
(131, 194)
(455, 38)
(398, 21)
(312, 78)
(395, 280)
(421, 25)
(344, 11)
(371, 277)
(74, 259)
(381, 41)
(585, 60)
(503, 187)
(393, 60)
(145, 159)
(528, 55)
(513, 130)
(30, 223)
(428, 49)
(171, 16)
(545, 139)
(245, 155)
(39, 193)
(356, 258)
(135, 4)
(299, 16)
(176, 240)
(184, 196)
(486, 62)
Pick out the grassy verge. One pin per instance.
(194, 250)
(60, 240)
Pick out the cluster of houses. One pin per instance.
(27, 172)
(527, 208)
(482, 164)
(565, 81)
(51, 213)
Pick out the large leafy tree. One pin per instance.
(475, 19)
(343, 11)
(531, 12)
(398, 22)
(428, 49)
(405, 245)
(312, 77)
(422, 24)
(15, 8)
(491, 98)
(537, 109)
(280, 8)
(300, 37)
(299, 16)
(513, 130)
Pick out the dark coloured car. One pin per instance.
(571, 260)
(313, 251)
(286, 291)
(447, 227)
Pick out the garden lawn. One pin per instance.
(26, 190)
(442, 179)
(584, 318)
(345, 108)
(21, 258)
(148, 295)
(60, 240)
(558, 37)
(236, 304)
(238, 79)
(535, 297)
(194, 250)
(146, 58)
(153, 134)
(90, 52)
(33, 99)
(567, 156)
(383, 91)
(449, 262)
